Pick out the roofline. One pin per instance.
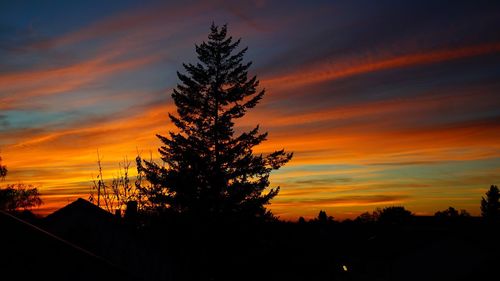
(67, 243)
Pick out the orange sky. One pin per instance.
(375, 117)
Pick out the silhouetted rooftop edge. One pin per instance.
(81, 206)
(33, 248)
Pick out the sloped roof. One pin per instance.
(80, 207)
(28, 252)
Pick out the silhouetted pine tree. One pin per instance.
(3, 170)
(490, 206)
(210, 171)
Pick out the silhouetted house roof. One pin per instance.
(81, 222)
(84, 224)
(30, 253)
(80, 209)
(100, 232)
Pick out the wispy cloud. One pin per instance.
(366, 64)
(20, 87)
(103, 82)
(346, 201)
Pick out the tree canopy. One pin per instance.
(210, 169)
(490, 206)
(19, 196)
(452, 213)
(393, 215)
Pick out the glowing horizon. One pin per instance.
(382, 104)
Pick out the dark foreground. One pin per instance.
(73, 246)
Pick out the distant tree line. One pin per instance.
(387, 215)
(490, 210)
(452, 213)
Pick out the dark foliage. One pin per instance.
(3, 170)
(323, 217)
(209, 170)
(389, 215)
(393, 215)
(367, 217)
(490, 206)
(19, 196)
(452, 213)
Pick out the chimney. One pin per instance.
(131, 211)
(118, 213)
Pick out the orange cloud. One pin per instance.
(26, 85)
(309, 208)
(342, 69)
(342, 201)
(62, 162)
(66, 158)
(370, 142)
(475, 97)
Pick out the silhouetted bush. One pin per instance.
(393, 215)
(452, 213)
(367, 217)
(323, 218)
(19, 196)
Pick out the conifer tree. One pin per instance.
(209, 170)
(490, 206)
(3, 170)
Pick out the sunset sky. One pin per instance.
(382, 102)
